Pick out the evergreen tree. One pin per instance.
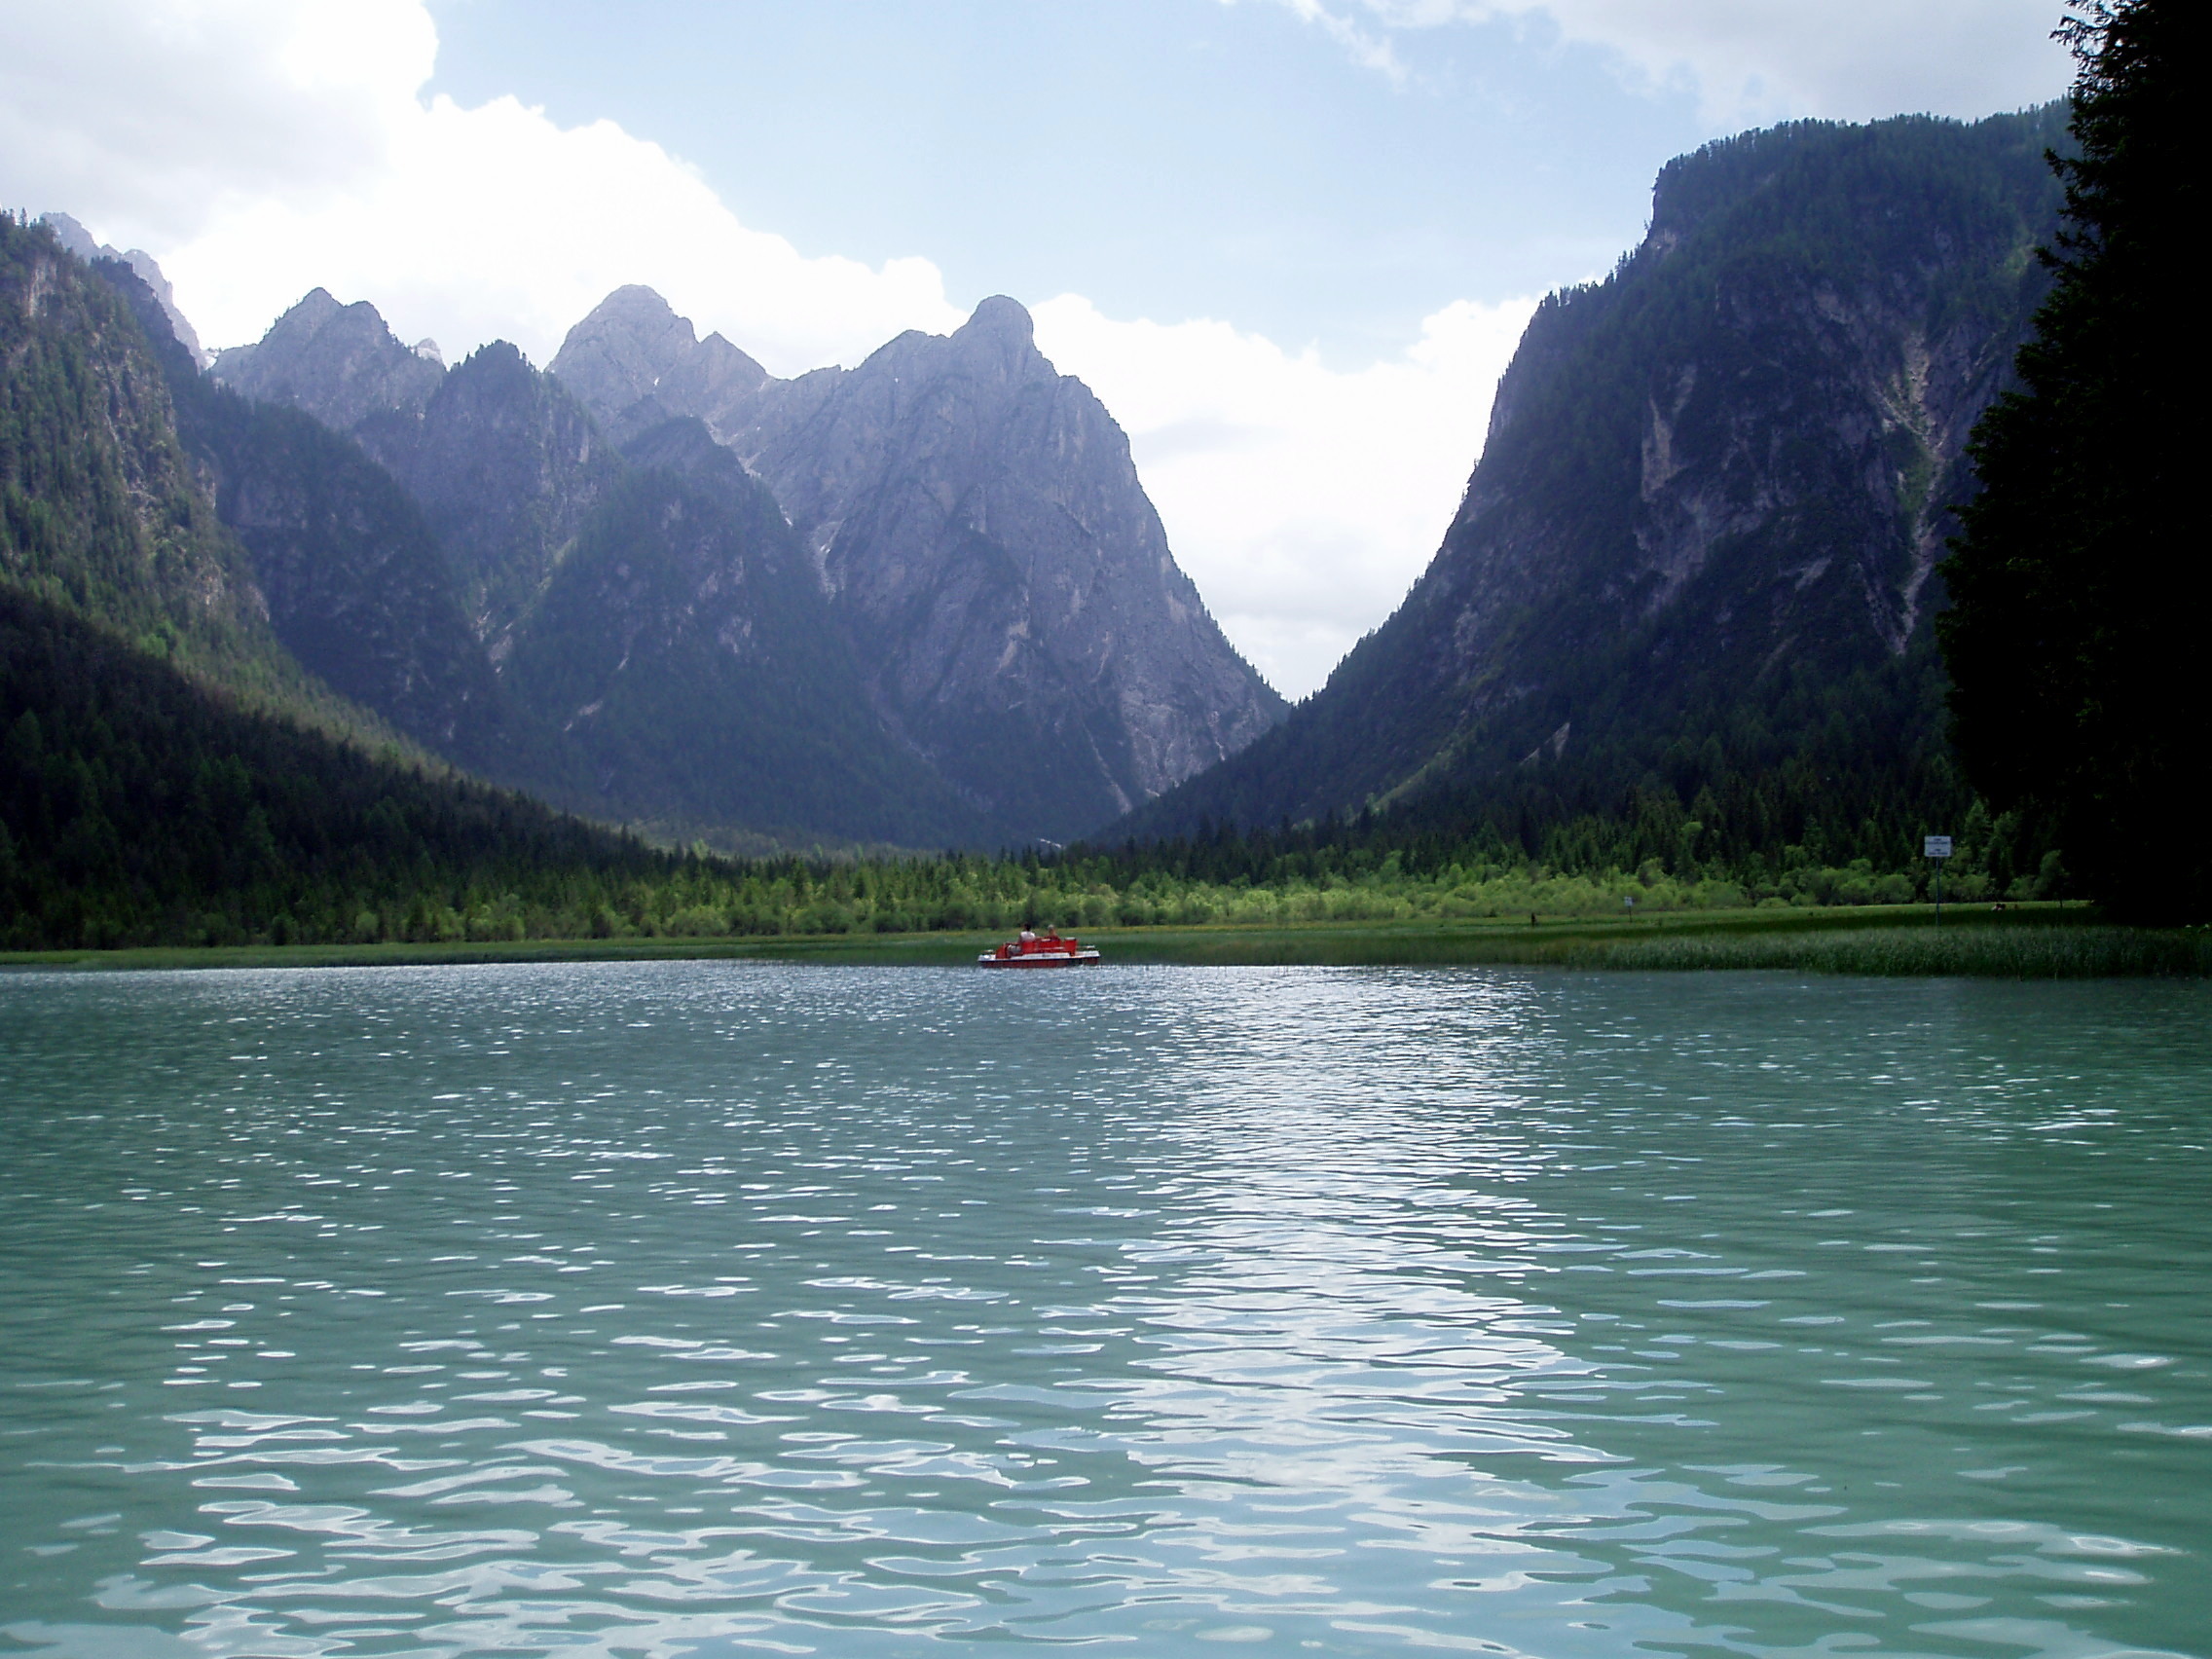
(2079, 585)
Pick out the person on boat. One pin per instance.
(1051, 934)
(1029, 936)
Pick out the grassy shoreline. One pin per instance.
(2027, 942)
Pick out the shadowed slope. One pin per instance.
(1700, 542)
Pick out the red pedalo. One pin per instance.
(1046, 950)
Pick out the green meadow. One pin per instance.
(2020, 941)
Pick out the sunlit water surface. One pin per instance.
(739, 1308)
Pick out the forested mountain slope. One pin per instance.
(1697, 555)
(102, 509)
(169, 771)
(141, 807)
(75, 238)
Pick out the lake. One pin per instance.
(746, 1309)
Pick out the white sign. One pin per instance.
(1936, 847)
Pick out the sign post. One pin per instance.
(1938, 848)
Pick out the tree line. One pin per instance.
(141, 807)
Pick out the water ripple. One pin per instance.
(670, 1309)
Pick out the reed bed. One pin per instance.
(2008, 953)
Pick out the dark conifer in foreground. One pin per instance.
(2080, 586)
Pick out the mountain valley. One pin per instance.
(925, 602)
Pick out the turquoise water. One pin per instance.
(733, 1308)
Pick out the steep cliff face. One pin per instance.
(684, 653)
(505, 466)
(641, 639)
(978, 526)
(503, 460)
(340, 364)
(356, 588)
(353, 581)
(114, 451)
(1714, 485)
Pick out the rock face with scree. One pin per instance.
(977, 522)
(1704, 531)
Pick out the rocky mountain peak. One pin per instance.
(640, 307)
(339, 362)
(976, 524)
(496, 368)
(75, 238)
(619, 353)
(984, 540)
(505, 466)
(634, 363)
(314, 312)
(999, 332)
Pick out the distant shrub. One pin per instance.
(698, 921)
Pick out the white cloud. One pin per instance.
(261, 148)
(146, 118)
(1753, 61)
(494, 222)
(1363, 48)
(1302, 501)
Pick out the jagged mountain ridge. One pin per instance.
(503, 462)
(995, 582)
(984, 541)
(1706, 517)
(1712, 497)
(340, 364)
(658, 648)
(634, 364)
(506, 467)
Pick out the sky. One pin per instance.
(1291, 243)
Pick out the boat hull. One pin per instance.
(1085, 958)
